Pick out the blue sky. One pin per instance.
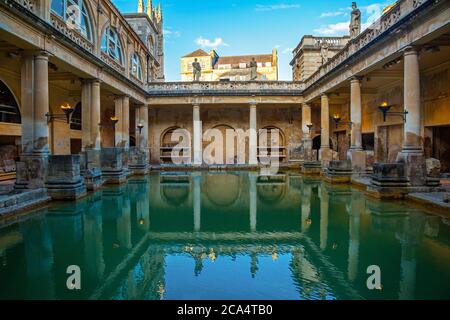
(250, 26)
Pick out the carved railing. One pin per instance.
(112, 62)
(229, 87)
(27, 4)
(380, 27)
(71, 33)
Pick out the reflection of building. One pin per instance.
(230, 68)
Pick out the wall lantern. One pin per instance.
(67, 110)
(385, 107)
(310, 126)
(338, 119)
(140, 126)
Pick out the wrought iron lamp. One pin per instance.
(338, 119)
(67, 112)
(385, 108)
(140, 126)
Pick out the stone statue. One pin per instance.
(253, 69)
(355, 22)
(197, 70)
(324, 52)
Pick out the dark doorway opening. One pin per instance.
(441, 147)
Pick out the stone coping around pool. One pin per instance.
(20, 200)
(431, 201)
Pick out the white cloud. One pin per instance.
(371, 13)
(171, 33)
(272, 7)
(331, 14)
(287, 50)
(333, 29)
(206, 43)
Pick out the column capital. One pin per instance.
(306, 105)
(324, 95)
(411, 50)
(356, 79)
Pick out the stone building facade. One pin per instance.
(230, 68)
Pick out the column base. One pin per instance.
(90, 169)
(415, 166)
(112, 168)
(139, 164)
(325, 156)
(311, 168)
(357, 158)
(339, 172)
(64, 181)
(31, 171)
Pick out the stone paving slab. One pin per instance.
(431, 199)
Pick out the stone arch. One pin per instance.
(229, 149)
(120, 39)
(271, 140)
(9, 107)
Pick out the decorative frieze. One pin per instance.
(71, 33)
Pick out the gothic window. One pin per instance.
(74, 12)
(136, 67)
(111, 44)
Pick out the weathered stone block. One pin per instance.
(112, 168)
(358, 160)
(312, 168)
(433, 168)
(392, 174)
(64, 180)
(31, 172)
(339, 171)
(415, 167)
(139, 162)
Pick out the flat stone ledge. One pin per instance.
(434, 200)
(18, 200)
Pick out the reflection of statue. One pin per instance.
(324, 52)
(253, 69)
(197, 70)
(355, 22)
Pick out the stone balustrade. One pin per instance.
(226, 88)
(379, 28)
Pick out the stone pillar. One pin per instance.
(196, 200)
(253, 203)
(356, 154)
(32, 168)
(121, 107)
(197, 135)
(325, 154)
(253, 137)
(90, 103)
(306, 137)
(95, 114)
(412, 152)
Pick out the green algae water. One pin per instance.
(226, 236)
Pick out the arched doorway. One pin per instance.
(221, 136)
(10, 133)
(170, 151)
(273, 139)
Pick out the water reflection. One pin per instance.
(226, 235)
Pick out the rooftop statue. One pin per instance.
(197, 70)
(253, 69)
(355, 22)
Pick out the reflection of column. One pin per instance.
(253, 200)
(324, 208)
(93, 243)
(38, 246)
(197, 202)
(325, 152)
(197, 135)
(412, 128)
(357, 208)
(142, 207)
(355, 114)
(253, 138)
(306, 206)
(124, 225)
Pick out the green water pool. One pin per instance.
(232, 235)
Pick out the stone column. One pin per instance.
(125, 127)
(90, 104)
(412, 152)
(356, 154)
(32, 168)
(253, 137)
(118, 112)
(197, 135)
(412, 130)
(306, 137)
(253, 201)
(95, 115)
(196, 200)
(325, 154)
